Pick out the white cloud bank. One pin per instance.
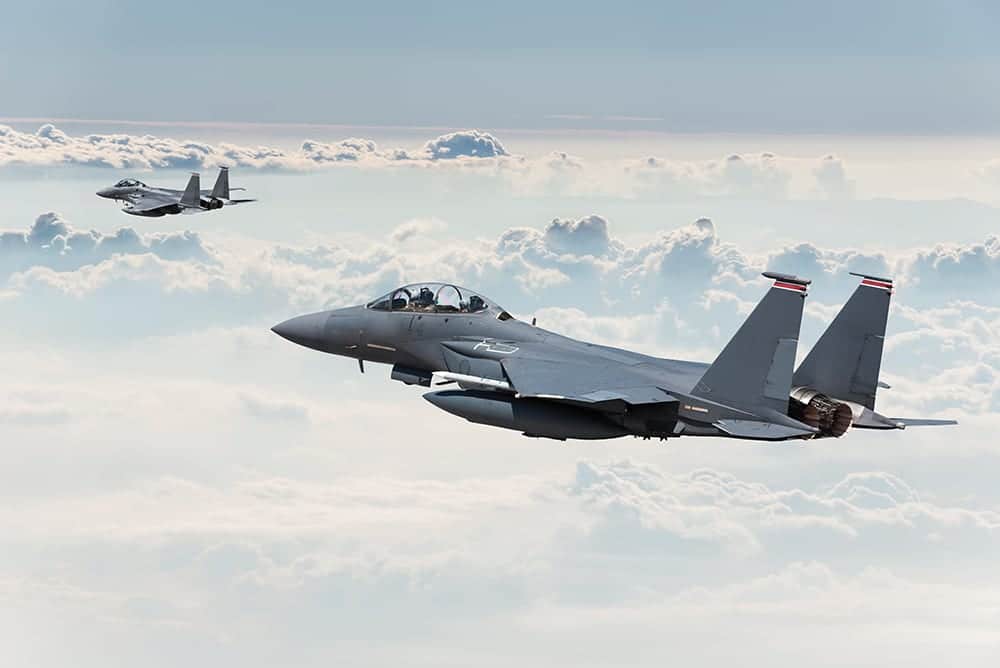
(614, 554)
(51, 146)
(694, 280)
(761, 175)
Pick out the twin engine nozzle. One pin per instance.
(831, 417)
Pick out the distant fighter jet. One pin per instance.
(143, 200)
(514, 375)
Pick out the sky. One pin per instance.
(182, 486)
(764, 67)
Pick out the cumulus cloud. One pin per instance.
(52, 242)
(586, 236)
(954, 268)
(706, 283)
(467, 144)
(51, 146)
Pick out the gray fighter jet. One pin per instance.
(143, 200)
(512, 374)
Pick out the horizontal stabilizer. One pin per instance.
(762, 431)
(869, 419)
(923, 422)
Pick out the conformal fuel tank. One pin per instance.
(534, 417)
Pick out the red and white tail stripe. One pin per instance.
(785, 285)
(875, 283)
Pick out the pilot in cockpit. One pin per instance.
(424, 299)
(476, 303)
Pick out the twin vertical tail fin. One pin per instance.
(845, 361)
(192, 194)
(221, 188)
(755, 368)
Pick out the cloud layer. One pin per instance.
(761, 175)
(619, 546)
(51, 146)
(680, 294)
(183, 487)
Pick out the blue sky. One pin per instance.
(182, 486)
(854, 67)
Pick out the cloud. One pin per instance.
(956, 268)
(603, 510)
(415, 229)
(52, 242)
(680, 294)
(832, 179)
(467, 144)
(586, 236)
(688, 285)
(51, 146)
(763, 175)
(616, 545)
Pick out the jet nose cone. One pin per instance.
(104, 192)
(305, 330)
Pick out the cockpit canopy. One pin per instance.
(129, 183)
(433, 298)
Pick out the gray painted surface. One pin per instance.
(845, 361)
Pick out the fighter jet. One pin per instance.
(511, 374)
(143, 200)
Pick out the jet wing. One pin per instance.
(150, 202)
(596, 385)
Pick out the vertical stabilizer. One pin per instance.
(845, 362)
(221, 189)
(755, 368)
(192, 194)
